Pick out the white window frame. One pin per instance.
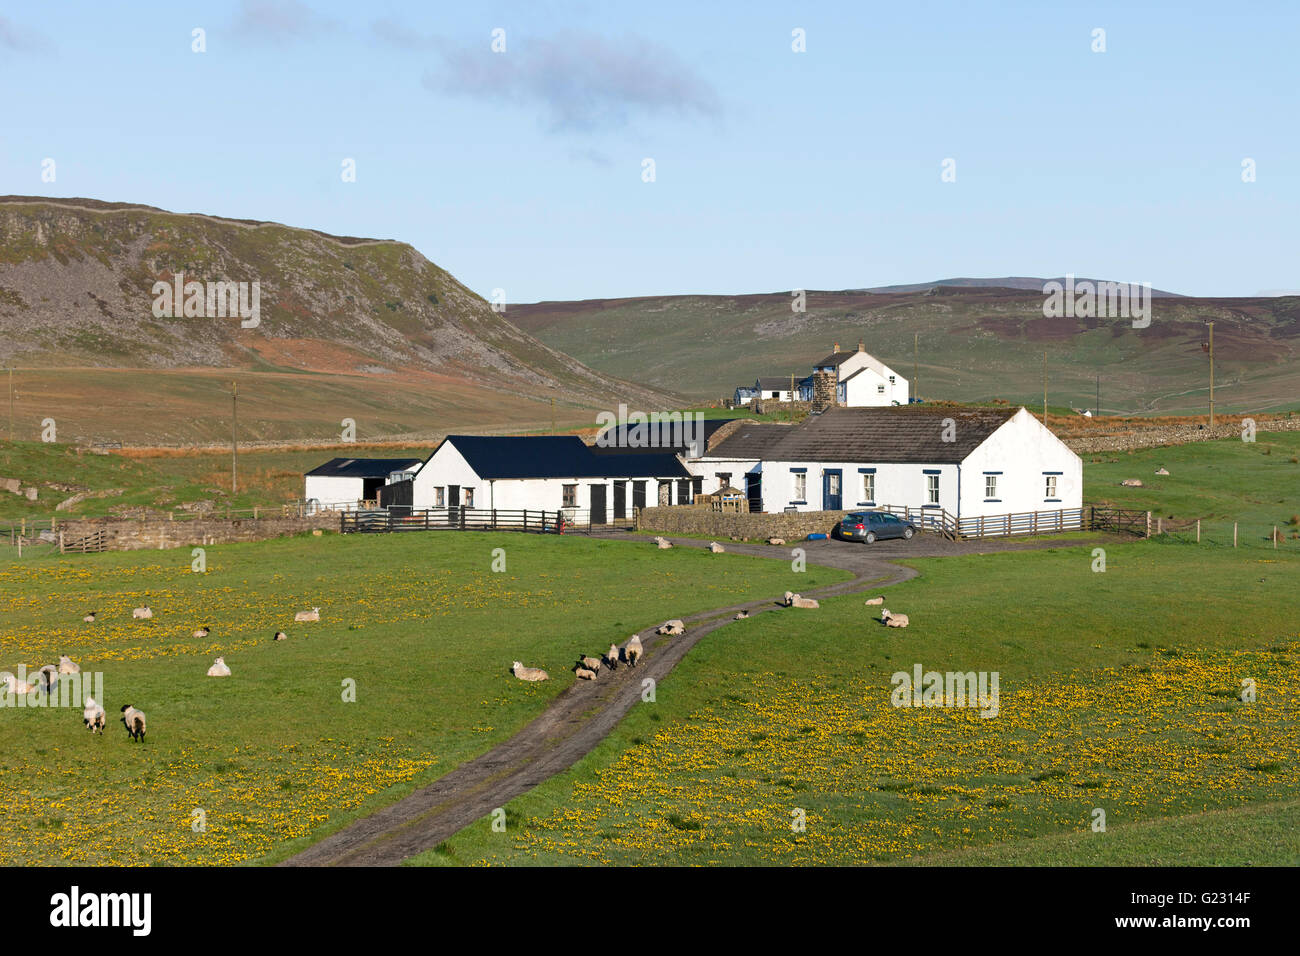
(440, 496)
(990, 486)
(932, 489)
(1050, 486)
(467, 497)
(800, 486)
(868, 486)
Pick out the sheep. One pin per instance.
(90, 618)
(203, 631)
(875, 600)
(633, 651)
(1162, 471)
(776, 541)
(68, 666)
(312, 615)
(742, 615)
(142, 614)
(133, 721)
(893, 620)
(47, 678)
(529, 673)
(663, 544)
(281, 636)
(798, 600)
(671, 628)
(219, 668)
(584, 673)
(93, 716)
(15, 685)
(716, 548)
(611, 657)
(591, 663)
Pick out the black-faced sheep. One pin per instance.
(584, 673)
(281, 636)
(671, 628)
(133, 721)
(893, 620)
(93, 716)
(611, 657)
(590, 663)
(203, 632)
(90, 618)
(312, 615)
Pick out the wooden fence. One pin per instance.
(465, 519)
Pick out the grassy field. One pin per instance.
(1118, 690)
(273, 754)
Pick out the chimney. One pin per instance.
(823, 392)
(836, 349)
(861, 347)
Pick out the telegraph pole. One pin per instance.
(234, 437)
(1097, 409)
(916, 375)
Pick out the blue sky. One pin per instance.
(522, 170)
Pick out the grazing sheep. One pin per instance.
(876, 600)
(633, 651)
(893, 620)
(776, 541)
(281, 636)
(591, 663)
(93, 716)
(203, 632)
(584, 674)
(15, 685)
(219, 668)
(742, 615)
(68, 666)
(798, 600)
(611, 657)
(529, 673)
(133, 721)
(671, 628)
(716, 548)
(663, 544)
(142, 614)
(312, 615)
(90, 618)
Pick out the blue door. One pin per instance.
(831, 489)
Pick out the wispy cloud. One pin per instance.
(19, 39)
(280, 20)
(583, 81)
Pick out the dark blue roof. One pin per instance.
(363, 467)
(556, 456)
(668, 437)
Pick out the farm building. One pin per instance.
(745, 394)
(347, 482)
(859, 380)
(782, 388)
(965, 462)
(548, 473)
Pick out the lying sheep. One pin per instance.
(312, 615)
(716, 548)
(281, 636)
(591, 663)
(15, 685)
(776, 541)
(529, 673)
(68, 666)
(584, 673)
(663, 544)
(893, 620)
(93, 716)
(742, 615)
(798, 600)
(611, 657)
(90, 618)
(142, 614)
(633, 652)
(671, 628)
(203, 632)
(875, 600)
(133, 721)
(219, 668)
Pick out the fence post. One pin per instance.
(1234, 534)
(1198, 530)
(1160, 525)
(61, 542)
(1148, 534)
(1274, 537)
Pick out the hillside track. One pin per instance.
(584, 714)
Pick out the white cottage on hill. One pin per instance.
(860, 380)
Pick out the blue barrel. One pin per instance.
(816, 537)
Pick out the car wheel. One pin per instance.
(908, 532)
(870, 538)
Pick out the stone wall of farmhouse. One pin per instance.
(721, 524)
(134, 534)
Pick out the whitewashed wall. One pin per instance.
(1024, 451)
(896, 484)
(333, 491)
(708, 468)
(863, 390)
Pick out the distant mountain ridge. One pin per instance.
(1023, 283)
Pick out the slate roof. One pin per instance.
(906, 433)
(363, 467)
(836, 358)
(773, 383)
(557, 456)
(670, 437)
(751, 440)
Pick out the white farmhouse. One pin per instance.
(343, 483)
(860, 380)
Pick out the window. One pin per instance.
(880, 390)
(868, 487)
(1050, 491)
(932, 488)
(990, 486)
(724, 479)
(891, 380)
(440, 497)
(570, 499)
(469, 497)
(800, 486)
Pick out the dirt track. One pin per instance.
(581, 717)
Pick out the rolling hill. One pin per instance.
(349, 328)
(973, 343)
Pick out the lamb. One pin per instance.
(584, 673)
(133, 721)
(663, 544)
(219, 668)
(529, 673)
(90, 618)
(203, 631)
(671, 628)
(611, 657)
(142, 614)
(281, 636)
(633, 651)
(716, 548)
(893, 620)
(312, 615)
(591, 663)
(798, 600)
(93, 716)
(68, 666)
(1162, 471)
(15, 685)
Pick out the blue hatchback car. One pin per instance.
(872, 526)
